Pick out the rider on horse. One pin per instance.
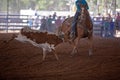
(78, 3)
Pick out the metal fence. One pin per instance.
(13, 23)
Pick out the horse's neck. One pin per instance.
(82, 16)
(84, 19)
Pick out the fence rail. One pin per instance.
(16, 22)
(13, 22)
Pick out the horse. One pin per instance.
(84, 29)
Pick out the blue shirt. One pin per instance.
(83, 2)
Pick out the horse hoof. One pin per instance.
(57, 59)
(72, 54)
(90, 53)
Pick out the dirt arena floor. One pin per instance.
(23, 61)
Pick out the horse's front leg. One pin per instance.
(75, 49)
(90, 43)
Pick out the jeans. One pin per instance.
(73, 28)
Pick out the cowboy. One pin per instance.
(78, 4)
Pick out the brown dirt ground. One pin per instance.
(22, 61)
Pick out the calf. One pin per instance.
(45, 40)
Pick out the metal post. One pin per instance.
(115, 6)
(7, 14)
